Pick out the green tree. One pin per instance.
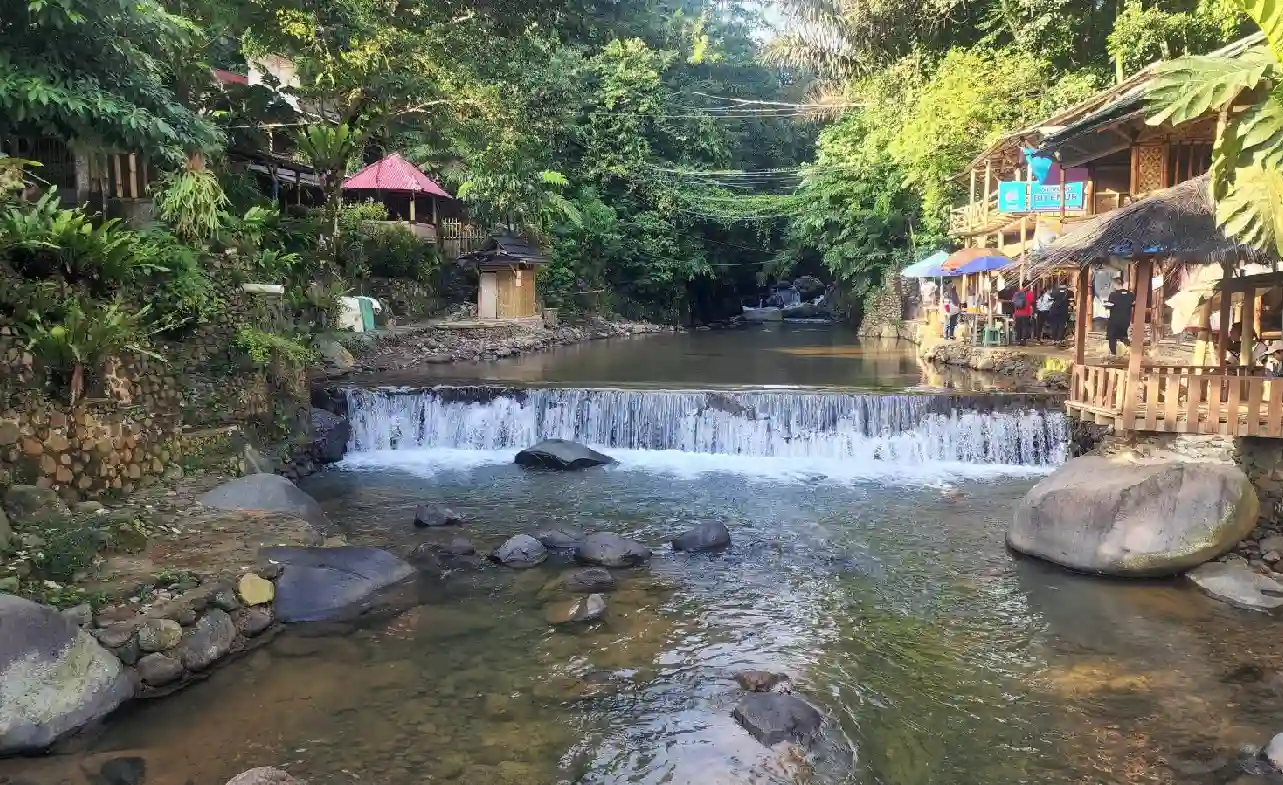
(98, 72)
(1247, 162)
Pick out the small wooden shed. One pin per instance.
(507, 266)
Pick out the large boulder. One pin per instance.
(318, 584)
(434, 515)
(709, 536)
(54, 677)
(1134, 519)
(773, 717)
(266, 493)
(611, 550)
(330, 434)
(561, 454)
(334, 355)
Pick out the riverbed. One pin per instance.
(868, 563)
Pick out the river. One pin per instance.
(937, 656)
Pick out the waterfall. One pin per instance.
(895, 428)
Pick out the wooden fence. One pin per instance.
(1230, 401)
(458, 238)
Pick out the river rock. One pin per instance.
(773, 717)
(612, 550)
(520, 551)
(559, 539)
(334, 354)
(330, 434)
(54, 677)
(206, 642)
(130, 770)
(159, 634)
(254, 590)
(319, 584)
(759, 681)
(433, 515)
(703, 537)
(263, 776)
(561, 454)
(266, 493)
(252, 622)
(81, 615)
(1274, 751)
(590, 580)
(6, 533)
(1102, 516)
(581, 610)
(1237, 584)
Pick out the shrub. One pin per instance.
(395, 252)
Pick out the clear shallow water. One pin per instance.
(938, 657)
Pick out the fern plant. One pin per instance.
(75, 343)
(1247, 160)
(193, 203)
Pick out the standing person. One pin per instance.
(1042, 309)
(1058, 313)
(949, 307)
(1120, 315)
(1022, 311)
(1102, 285)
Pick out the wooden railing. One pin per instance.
(1197, 399)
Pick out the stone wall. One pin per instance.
(178, 638)
(142, 417)
(403, 300)
(884, 311)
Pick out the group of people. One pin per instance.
(1032, 313)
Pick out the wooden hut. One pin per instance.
(507, 267)
(1174, 225)
(409, 194)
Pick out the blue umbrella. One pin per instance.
(983, 264)
(928, 267)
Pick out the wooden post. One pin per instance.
(412, 207)
(120, 185)
(1201, 348)
(1258, 304)
(133, 176)
(1145, 270)
(1082, 314)
(973, 185)
(1024, 248)
(1247, 336)
(988, 179)
(1223, 330)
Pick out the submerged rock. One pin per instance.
(130, 770)
(590, 580)
(263, 776)
(760, 681)
(612, 550)
(268, 493)
(561, 454)
(521, 551)
(559, 539)
(434, 515)
(54, 677)
(582, 610)
(703, 537)
(319, 584)
(772, 718)
(1134, 519)
(1237, 584)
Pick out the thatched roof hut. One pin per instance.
(1177, 223)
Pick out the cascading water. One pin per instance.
(899, 429)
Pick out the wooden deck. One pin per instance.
(1179, 399)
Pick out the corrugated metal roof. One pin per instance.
(396, 175)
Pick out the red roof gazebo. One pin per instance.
(395, 175)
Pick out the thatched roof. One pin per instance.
(1177, 223)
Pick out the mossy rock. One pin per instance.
(27, 504)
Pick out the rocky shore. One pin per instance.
(446, 342)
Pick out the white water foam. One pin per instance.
(766, 433)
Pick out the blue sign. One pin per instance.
(1016, 197)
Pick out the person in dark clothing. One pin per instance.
(1120, 305)
(1058, 314)
(1022, 311)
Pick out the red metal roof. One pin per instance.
(227, 77)
(395, 174)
